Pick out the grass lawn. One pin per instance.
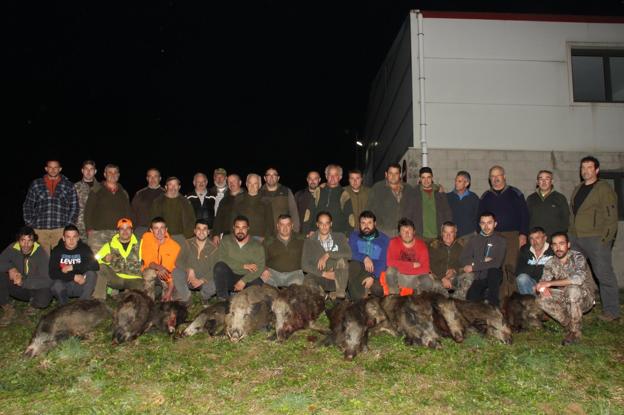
(211, 375)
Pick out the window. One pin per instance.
(598, 75)
(616, 180)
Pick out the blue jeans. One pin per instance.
(64, 290)
(525, 284)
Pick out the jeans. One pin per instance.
(525, 284)
(183, 289)
(64, 290)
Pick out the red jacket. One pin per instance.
(402, 257)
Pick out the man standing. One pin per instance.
(484, 256)
(432, 207)
(83, 187)
(280, 198)
(391, 200)
(120, 262)
(105, 208)
(369, 249)
(548, 208)
(195, 265)
(142, 202)
(24, 275)
(219, 177)
(512, 215)
(408, 263)
(444, 259)
(325, 257)
(593, 227)
(464, 206)
(333, 199)
(358, 193)
(305, 197)
(564, 292)
(72, 268)
(160, 253)
(51, 204)
(202, 201)
(283, 255)
(240, 262)
(176, 210)
(257, 210)
(531, 261)
(223, 218)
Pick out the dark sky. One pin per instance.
(190, 86)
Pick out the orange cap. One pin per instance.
(124, 221)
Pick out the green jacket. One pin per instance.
(184, 220)
(202, 263)
(235, 256)
(597, 215)
(284, 257)
(312, 251)
(104, 208)
(443, 258)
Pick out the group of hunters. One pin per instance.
(89, 239)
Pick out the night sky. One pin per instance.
(189, 87)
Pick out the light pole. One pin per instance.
(358, 146)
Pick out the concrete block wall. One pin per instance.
(521, 169)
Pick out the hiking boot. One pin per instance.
(608, 317)
(7, 316)
(571, 338)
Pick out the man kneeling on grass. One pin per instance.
(564, 291)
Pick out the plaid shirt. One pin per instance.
(327, 244)
(42, 211)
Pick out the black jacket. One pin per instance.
(527, 264)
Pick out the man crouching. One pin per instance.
(564, 291)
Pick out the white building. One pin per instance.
(528, 92)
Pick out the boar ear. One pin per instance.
(370, 323)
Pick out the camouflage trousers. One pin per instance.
(566, 305)
(419, 283)
(339, 285)
(97, 239)
(150, 279)
(108, 278)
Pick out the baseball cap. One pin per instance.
(220, 170)
(124, 221)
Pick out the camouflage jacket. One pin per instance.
(83, 189)
(125, 262)
(575, 269)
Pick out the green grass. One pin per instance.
(197, 375)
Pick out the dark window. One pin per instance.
(616, 180)
(598, 75)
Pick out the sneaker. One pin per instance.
(608, 317)
(571, 338)
(7, 316)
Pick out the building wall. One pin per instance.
(506, 85)
(521, 169)
(389, 113)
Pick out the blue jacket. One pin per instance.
(464, 211)
(374, 248)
